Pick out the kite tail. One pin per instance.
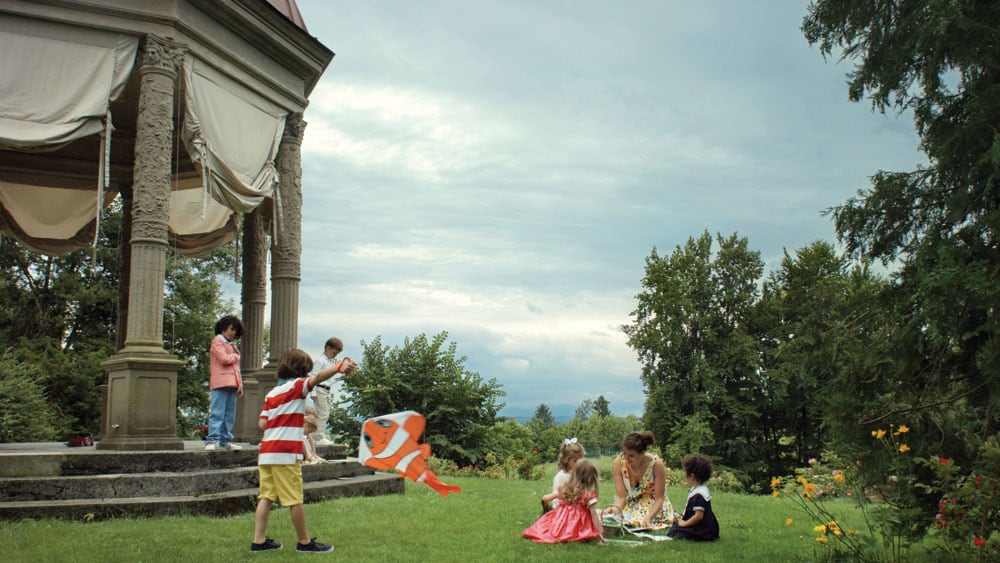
(431, 480)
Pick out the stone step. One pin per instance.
(195, 482)
(91, 461)
(227, 503)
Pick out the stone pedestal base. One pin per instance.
(256, 385)
(248, 411)
(141, 408)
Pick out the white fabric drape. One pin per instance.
(56, 85)
(197, 229)
(56, 82)
(233, 134)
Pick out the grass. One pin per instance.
(482, 523)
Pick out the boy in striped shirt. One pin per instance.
(281, 451)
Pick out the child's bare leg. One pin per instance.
(260, 520)
(298, 513)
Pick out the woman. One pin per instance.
(640, 485)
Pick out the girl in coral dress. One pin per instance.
(575, 518)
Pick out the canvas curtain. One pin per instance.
(233, 134)
(56, 84)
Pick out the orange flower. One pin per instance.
(789, 522)
(839, 478)
(903, 429)
(903, 448)
(878, 434)
(775, 482)
(810, 488)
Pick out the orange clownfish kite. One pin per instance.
(390, 442)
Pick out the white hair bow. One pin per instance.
(569, 441)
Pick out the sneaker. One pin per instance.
(324, 442)
(314, 547)
(232, 447)
(210, 447)
(268, 544)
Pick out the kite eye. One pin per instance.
(383, 423)
(368, 440)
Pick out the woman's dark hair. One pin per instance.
(699, 466)
(294, 364)
(638, 441)
(229, 321)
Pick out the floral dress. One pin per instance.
(639, 500)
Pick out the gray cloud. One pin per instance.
(500, 170)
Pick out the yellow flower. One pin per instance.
(878, 434)
(801, 480)
(820, 529)
(775, 482)
(810, 488)
(903, 448)
(837, 532)
(839, 478)
(821, 539)
(789, 522)
(903, 429)
(775, 493)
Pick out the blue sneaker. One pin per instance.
(268, 544)
(314, 547)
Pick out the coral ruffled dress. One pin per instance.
(565, 523)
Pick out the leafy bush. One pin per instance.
(25, 414)
(968, 519)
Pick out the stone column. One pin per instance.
(286, 244)
(254, 297)
(142, 376)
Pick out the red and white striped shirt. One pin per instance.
(284, 411)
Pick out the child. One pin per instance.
(280, 459)
(308, 427)
(576, 518)
(569, 452)
(225, 383)
(698, 522)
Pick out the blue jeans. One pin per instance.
(221, 415)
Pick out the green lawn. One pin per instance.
(483, 522)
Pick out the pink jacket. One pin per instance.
(224, 369)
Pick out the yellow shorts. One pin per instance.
(281, 482)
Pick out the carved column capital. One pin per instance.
(161, 55)
(295, 127)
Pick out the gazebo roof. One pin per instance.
(290, 10)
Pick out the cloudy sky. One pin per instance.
(500, 170)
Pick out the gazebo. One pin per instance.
(190, 111)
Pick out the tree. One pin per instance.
(601, 406)
(817, 317)
(585, 409)
(426, 376)
(938, 224)
(691, 331)
(936, 368)
(543, 417)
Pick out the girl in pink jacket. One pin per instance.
(225, 382)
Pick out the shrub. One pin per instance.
(968, 516)
(25, 415)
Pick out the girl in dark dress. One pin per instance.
(698, 522)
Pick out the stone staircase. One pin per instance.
(88, 484)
